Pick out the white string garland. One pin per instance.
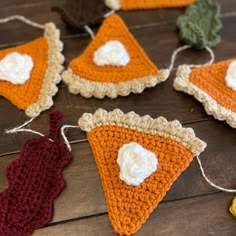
(67, 143)
(23, 19)
(210, 182)
(90, 31)
(64, 136)
(109, 13)
(185, 47)
(21, 129)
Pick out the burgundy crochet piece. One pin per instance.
(35, 179)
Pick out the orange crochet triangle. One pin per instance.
(35, 95)
(146, 4)
(208, 85)
(85, 77)
(130, 206)
(24, 95)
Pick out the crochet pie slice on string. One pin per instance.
(146, 4)
(214, 86)
(38, 64)
(112, 133)
(113, 64)
(35, 180)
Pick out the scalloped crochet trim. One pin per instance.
(88, 88)
(52, 75)
(159, 126)
(182, 83)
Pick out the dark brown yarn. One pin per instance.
(78, 13)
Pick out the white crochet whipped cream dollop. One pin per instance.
(230, 78)
(16, 68)
(136, 163)
(113, 4)
(112, 53)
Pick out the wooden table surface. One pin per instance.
(191, 207)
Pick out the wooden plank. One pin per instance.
(83, 195)
(205, 215)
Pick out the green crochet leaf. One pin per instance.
(200, 24)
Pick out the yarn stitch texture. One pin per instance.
(78, 13)
(36, 94)
(130, 206)
(86, 78)
(35, 180)
(207, 85)
(146, 4)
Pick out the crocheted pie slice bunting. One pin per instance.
(214, 86)
(35, 180)
(33, 94)
(137, 140)
(113, 64)
(146, 4)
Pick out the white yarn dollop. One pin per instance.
(136, 163)
(230, 78)
(16, 68)
(113, 4)
(111, 53)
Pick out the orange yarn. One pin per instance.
(24, 95)
(211, 79)
(146, 4)
(129, 206)
(113, 28)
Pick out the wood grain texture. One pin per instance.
(33, 10)
(83, 195)
(206, 215)
(80, 209)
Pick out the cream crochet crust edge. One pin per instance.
(52, 75)
(182, 83)
(88, 88)
(159, 126)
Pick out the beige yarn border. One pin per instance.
(182, 83)
(160, 126)
(52, 75)
(88, 88)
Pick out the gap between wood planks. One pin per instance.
(105, 212)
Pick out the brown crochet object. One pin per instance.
(78, 13)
